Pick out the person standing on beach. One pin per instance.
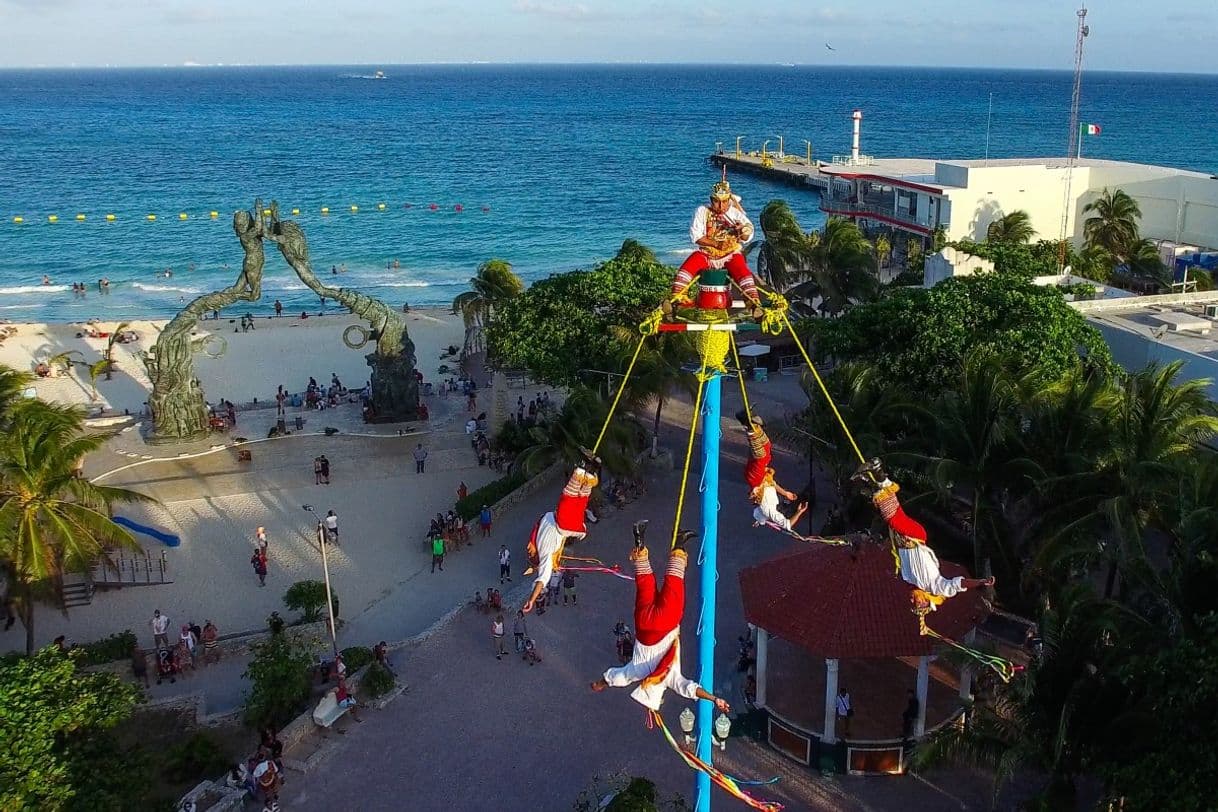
(278, 308)
(325, 469)
(505, 564)
(420, 458)
(437, 552)
(160, 629)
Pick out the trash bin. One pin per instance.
(299, 423)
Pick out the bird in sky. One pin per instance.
(830, 47)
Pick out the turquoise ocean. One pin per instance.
(552, 166)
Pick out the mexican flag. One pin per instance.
(1091, 129)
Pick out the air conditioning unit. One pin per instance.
(1211, 311)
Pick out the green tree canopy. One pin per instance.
(563, 324)
(1112, 223)
(48, 713)
(919, 338)
(1014, 227)
(494, 284)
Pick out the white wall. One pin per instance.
(993, 191)
(1133, 352)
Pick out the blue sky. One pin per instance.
(1175, 36)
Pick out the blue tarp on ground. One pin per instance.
(168, 539)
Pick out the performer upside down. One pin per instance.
(919, 564)
(764, 490)
(656, 660)
(719, 230)
(568, 520)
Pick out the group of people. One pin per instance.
(79, 289)
(535, 408)
(192, 647)
(524, 645)
(261, 775)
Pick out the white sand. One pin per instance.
(279, 351)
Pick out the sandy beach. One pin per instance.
(277, 351)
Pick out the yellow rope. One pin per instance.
(618, 396)
(689, 454)
(824, 390)
(744, 395)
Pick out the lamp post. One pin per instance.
(764, 144)
(739, 138)
(325, 566)
(723, 729)
(718, 147)
(780, 152)
(808, 144)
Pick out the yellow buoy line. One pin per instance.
(214, 214)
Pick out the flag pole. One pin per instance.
(1082, 129)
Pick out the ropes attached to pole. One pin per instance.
(721, 779)
(689, 453)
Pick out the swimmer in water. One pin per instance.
(46, 280)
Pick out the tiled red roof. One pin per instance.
(843, 602)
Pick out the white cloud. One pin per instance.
(571, 12)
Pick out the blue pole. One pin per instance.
(709, 572)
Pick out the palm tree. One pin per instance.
(1190, 588)
(971, 453)
(1154, 423)
(840, 270)
(493, 285)
(1055, 717)
(95, 371)
(64, 360)
(782, 255)
(576, 425)
(1114, 224)
(12, 385)
(657, 372)
(1014, 227)
(52, 521)
(882, 247)
(110, 342)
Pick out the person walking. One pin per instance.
(568, 586)
(462, 491)
(331, 523)
(520, 631)
(420, 458)
(437, 552)
(497, 637)
(845, 711)
(325, 469)
(211, 643)
(160, 629)
(484, 519)
(505, 564)
(258, 561)
(317, 470)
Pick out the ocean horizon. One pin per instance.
(547, 165)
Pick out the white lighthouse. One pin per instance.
(854, 144)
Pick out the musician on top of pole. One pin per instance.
(720, 230)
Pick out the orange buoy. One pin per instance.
(458, 207)
(433, 207)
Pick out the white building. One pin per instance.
(916, 195)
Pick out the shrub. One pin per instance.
(309, 598)
(377, 680)
(115, 647)
(356, 657)
(488, 494)
(196, 758)
(279, 681)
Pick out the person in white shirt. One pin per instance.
(656, 660)
(844, 711)
(720, 230)
(505, 564)
(764, 489)
(331, 522)
(567, 521)
(160, 629)
(187, 637)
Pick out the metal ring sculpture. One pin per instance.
(360, 331)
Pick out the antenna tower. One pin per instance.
(1072, 150)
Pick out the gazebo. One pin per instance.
(848, 603)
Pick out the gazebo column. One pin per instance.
(966, 671)
(829, 736)
(763, 647)
(922, 690)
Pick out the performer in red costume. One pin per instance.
(764, 490)
(919, 564)
(656, 660)
(568, 520)
(719, 230)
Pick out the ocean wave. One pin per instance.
(164, 288)
(415, 284)
(30, 306)
(18, 289)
